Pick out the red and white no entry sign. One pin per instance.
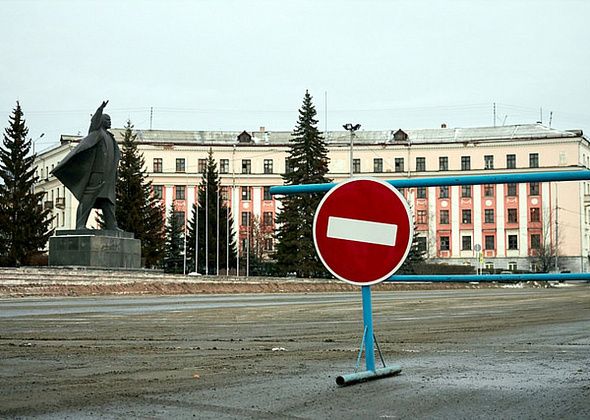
(363, 231)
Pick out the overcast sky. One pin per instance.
(235, 65)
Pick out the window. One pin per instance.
(511, 161)
(224, 166)
(490, 266)
(512, 266)
(489, 242)
(444, 217)
(443, 163)
(157, 191)
(399, 164)
(421, 243)
(489, 216)
(465, 191)
(202, 165)
(377, 165)
(268, 166)
(466, 216)
(445, 244)
(535, 214)
(420, 164)
(157, 166)
(288, 167)
(267, 218)
(225, 193)
(511, 189)
(534, 188)
(180, 165)
(246, 166)
(466, 243)
(512, 241)
(246, 215)
(512, 216)
(465, 163)
(535, 241)
(488, 190)
(179, 216)
(402, 191)
(268, 244)
(266, 193)
(356, 166)
(443, 192)
(246, 193)
(421, 192)
(488, 162)
(421, 217)
(180, 192)
(533, 160)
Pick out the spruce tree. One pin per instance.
(308, 164)
(174, 244)
(137, 210)
(207, 201)
(416, 256)
(24, 225)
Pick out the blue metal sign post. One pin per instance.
(368, 339)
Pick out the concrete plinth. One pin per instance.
(95, 248)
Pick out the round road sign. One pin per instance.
(363, 231)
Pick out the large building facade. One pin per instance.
(507, 222)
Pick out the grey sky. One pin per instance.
(234, 65)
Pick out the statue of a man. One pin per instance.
(89, 171)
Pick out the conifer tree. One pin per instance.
(24, 225)
(138, 211)
(416, 256)
(209, 190)
(174, 245)
(308, 164)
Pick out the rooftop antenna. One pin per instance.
(494, 114)
(151, 116)
(550, 118)
(326, 115)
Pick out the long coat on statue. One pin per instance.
(97, 154)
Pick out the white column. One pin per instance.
(432, 221)
(256, 201)
(522, 220)
(500, 222)
(455, 222)
(169, 201)
(235, 209)
(477, 215)
(190, 200)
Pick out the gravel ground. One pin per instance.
(488, 353)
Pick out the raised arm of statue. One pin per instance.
(97, 117)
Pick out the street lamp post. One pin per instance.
(351, 128)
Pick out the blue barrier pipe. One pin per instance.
(368, 323)
(488, 277)
(544, 176)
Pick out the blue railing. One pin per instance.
(546, 176)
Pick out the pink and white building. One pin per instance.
(506, 221)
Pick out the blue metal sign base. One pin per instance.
(367, 343)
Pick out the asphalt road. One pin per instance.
(490, 353)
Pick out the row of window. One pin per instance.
(246, 218)
(488, 190)
(268, 164)
(158, 166)
(180, 192)
(489, 216)
(443, 163)
(489, 242)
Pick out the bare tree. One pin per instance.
(545, 253)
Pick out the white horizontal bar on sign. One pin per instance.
(362, 231)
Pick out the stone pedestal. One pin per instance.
(95, 248)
